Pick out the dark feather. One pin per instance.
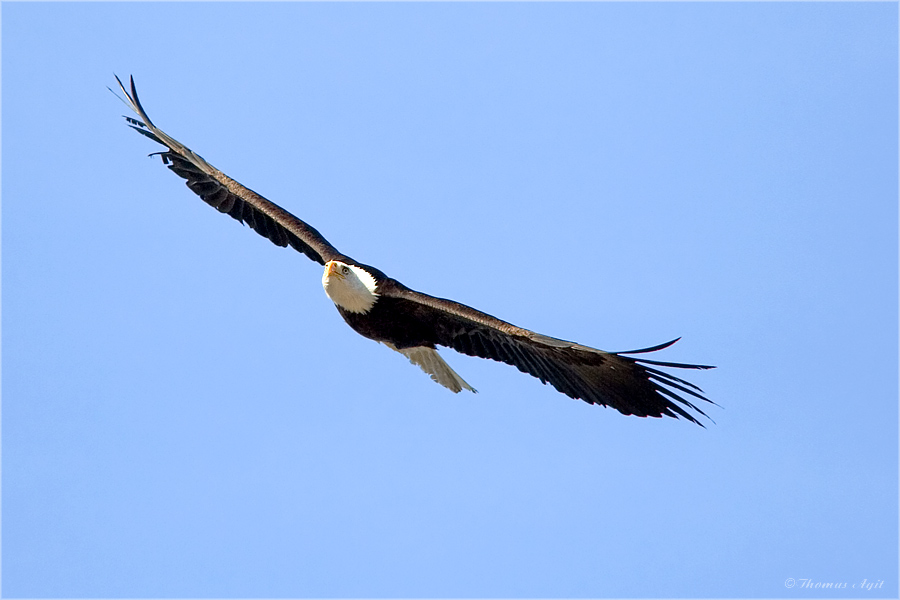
(595, 376)
(227, 195)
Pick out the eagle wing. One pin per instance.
(633, 386)
(227, 195)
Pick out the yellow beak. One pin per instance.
(332, 268)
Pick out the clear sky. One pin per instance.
(184, 413)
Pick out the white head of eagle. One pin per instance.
(350, 287)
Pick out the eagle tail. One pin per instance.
(431, 362)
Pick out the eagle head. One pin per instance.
(350, 287)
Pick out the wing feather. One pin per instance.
(612, 379)
(227, 195)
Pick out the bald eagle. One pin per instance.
(414, 324)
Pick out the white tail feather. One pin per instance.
(431, 362)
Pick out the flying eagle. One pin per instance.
(413, 324)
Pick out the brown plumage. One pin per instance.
(385, 310)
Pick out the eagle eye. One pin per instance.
(345, 270)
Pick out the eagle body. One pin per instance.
(371, 304)
(386, 318)
(395, 321)
(415, 324)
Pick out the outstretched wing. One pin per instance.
(633, 386)
(227, 195)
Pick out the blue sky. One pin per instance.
(184, 413)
